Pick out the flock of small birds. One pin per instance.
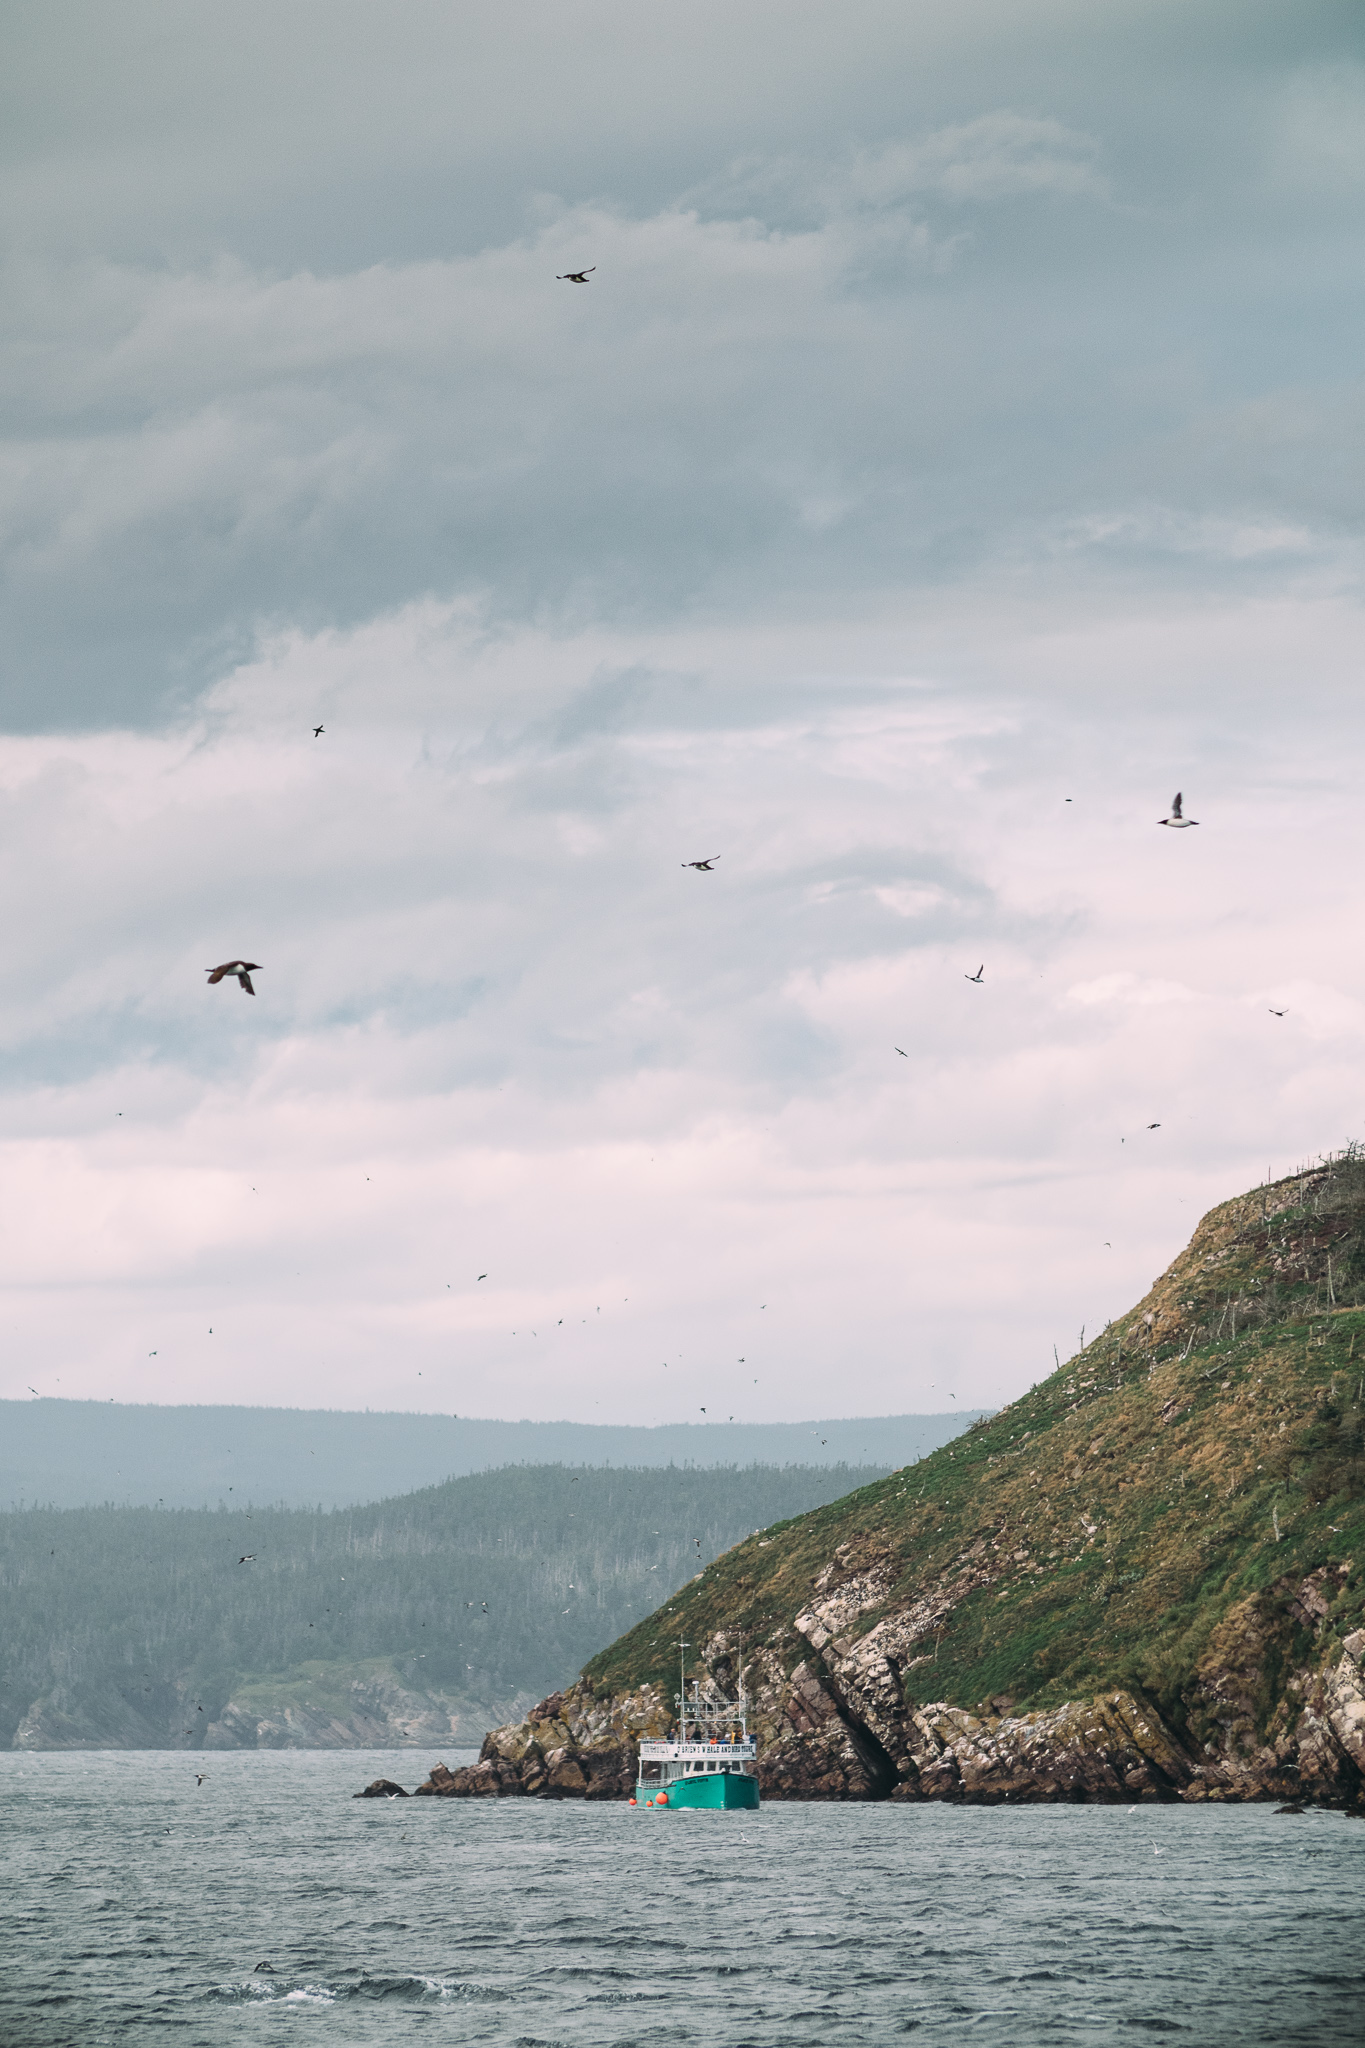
(242, 970)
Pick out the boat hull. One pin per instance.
(717, 1789)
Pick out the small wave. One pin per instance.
(410, 1990)
(629, 1998)
(253, 1992)
(381, 1990)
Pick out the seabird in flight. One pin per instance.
(703, 867)
(977, 976)
(575, 276)
(1177, 821)
(318, 731)
(241, 968)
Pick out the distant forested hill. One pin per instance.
(433, 1613)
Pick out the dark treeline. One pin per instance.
(135, 1601)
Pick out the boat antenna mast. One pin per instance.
(683, 1647)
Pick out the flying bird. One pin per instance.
(575, 276)
(199, 1777)
(482, 1276)
(241, 968)
(703, 867)
(1279, 1013)
(318, 731)
(1177, 821)
(1154, 1127)
(901, 1050)
(250, 1558)
(977, 976)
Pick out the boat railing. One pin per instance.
(696, 1752)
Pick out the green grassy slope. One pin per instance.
(1205, 1447)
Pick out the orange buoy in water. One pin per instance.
(632, 1802)
(662, 1799)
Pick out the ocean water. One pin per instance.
(135, 1906)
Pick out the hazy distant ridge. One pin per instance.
(83, 1453)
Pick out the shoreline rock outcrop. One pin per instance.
(1114, 1748)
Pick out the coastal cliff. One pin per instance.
(363, 1705)
(1144, 1579)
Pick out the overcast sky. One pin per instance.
(959, 447)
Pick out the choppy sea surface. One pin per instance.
(138, 1906)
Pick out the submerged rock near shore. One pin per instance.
(1143, 1581)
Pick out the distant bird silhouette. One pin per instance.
(1177, 821)
(1154, 1127)
(199, 1777)
(318, 731)
(575, 276)
(241, 968)
(264, 1970)
(703, 867)
(1279, 1013)
(977, 976)
(901, 1050)
(483, 1276)
(250, 1558)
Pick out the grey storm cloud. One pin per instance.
(1046, 306)
(957, 450)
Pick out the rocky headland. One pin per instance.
(316, 1706)
(1143, 1580)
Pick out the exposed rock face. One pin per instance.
(69, 1719)
(381, 1788)
(568, 1747)
(330, 1707)
(373, 1713)
(814, 1744)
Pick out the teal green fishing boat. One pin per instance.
(710, 1760)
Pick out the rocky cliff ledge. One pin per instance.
(1139, 1581)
